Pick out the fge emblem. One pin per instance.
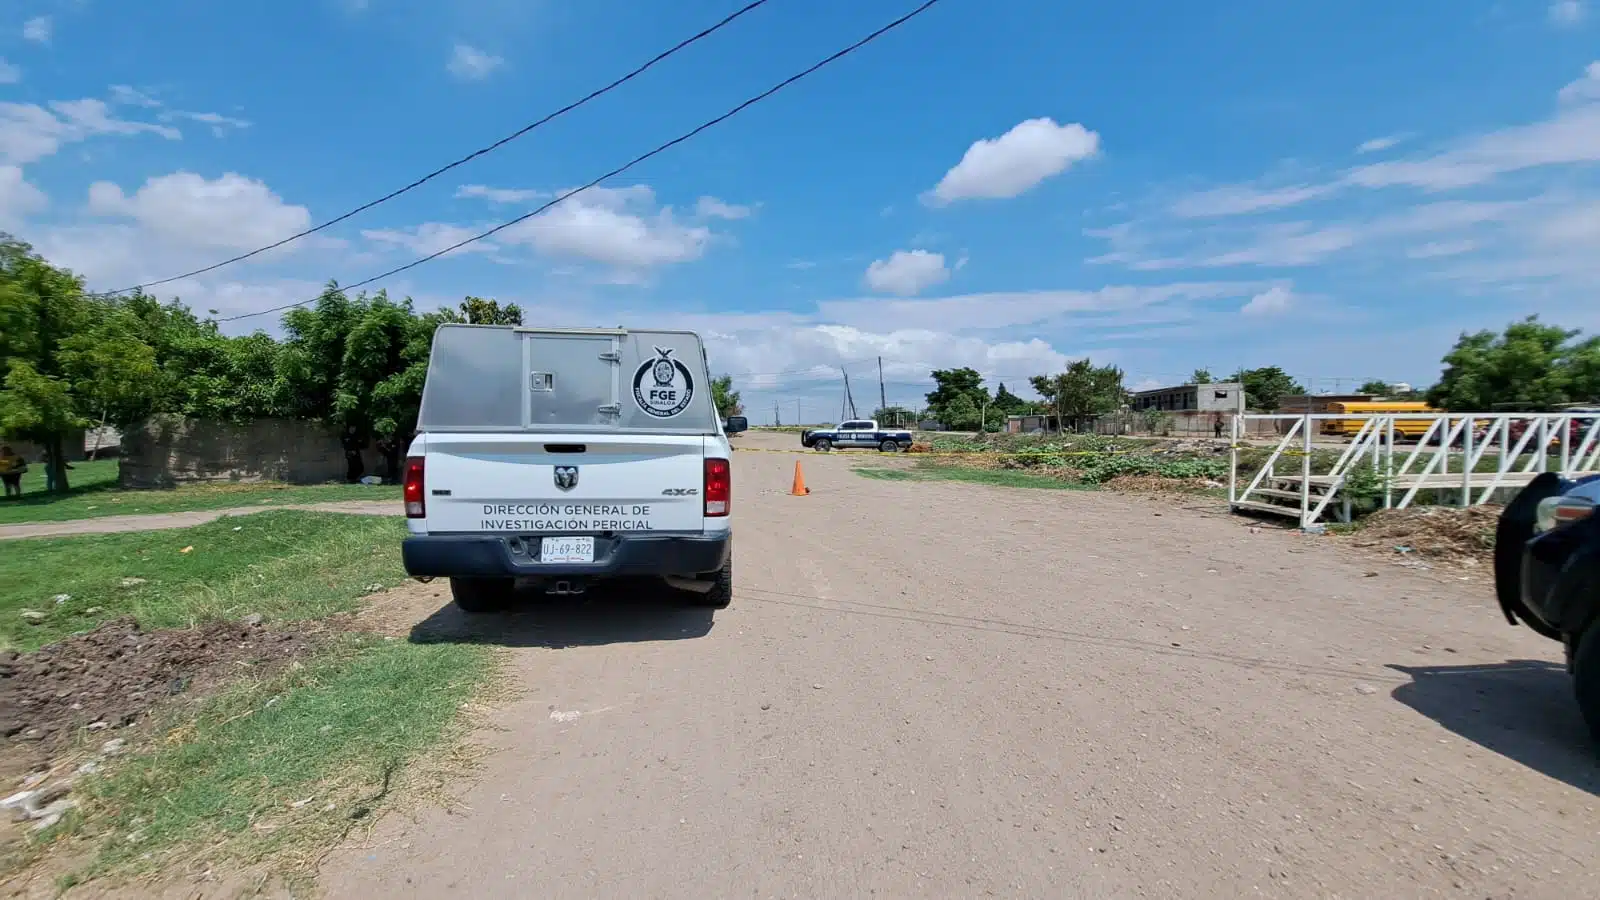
(663, 386)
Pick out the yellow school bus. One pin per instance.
(1410, 429)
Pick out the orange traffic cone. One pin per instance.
(799, 489)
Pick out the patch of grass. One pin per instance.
(997, 477)
(886, 474)
(282, 767)
(284, 564)
(94, 493)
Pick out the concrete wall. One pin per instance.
(34, 453)
(170, 450)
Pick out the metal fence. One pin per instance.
(1333, 461)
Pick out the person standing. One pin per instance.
(12, 468)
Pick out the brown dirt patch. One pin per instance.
(117, 672)
(1437, 533)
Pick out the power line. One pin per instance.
(592, 95)
(926, 5)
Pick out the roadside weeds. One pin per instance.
(255, 762)
(282, 565)
(94, 494)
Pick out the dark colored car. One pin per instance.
(1547, 574)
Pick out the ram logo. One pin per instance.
(566, 477)
(680, 492)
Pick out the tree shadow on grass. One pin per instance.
(1521, 709)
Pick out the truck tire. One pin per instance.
(889, 447)
(822, 444)
(721, 593)
(481, 595)
(1586, 678)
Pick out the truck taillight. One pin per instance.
(719, 487)
(416, 507)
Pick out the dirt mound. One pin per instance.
(1433, 532)
(110, 676)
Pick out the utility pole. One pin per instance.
(883, 400)
(776, 419)
(847, 397)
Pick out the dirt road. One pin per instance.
(938, 689)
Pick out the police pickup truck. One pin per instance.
(860, 434)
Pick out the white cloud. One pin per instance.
(907, 272)
(29, 132)
(1379, 144)
(9, 72)
(1567, 13)
(1438, 249)
(230, 212)
(787, 356)
(499, 195)
(1110, 305)
(712, 208)
(37, 29)
(1290, 244)
(1275, 300)
(131, 96)
(1585, 89)
(468, 63)
(1571, 136)
(429, 238)
(619, 227)
(220, 124)
(1236, 200)
(1015, 162)
(18, 198)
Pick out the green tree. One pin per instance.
(954, 391)
(1380, 388)
(1201, 376)
(312, 354)
(961, 413)
(1009, 404)
(1083, 391)
(1265, 388)
(1530, 364)
(54, 376)
(478, 311)
(725, 397)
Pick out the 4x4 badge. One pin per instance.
(566, 477)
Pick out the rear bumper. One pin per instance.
(512, 556)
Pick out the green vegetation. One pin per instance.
(296, 760)
(94, 497)
(1265, 388)
(1529, 366)
(725, 397)
(285, 565)
(1082, 392)
(996, 477)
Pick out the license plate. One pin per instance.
(566, 550)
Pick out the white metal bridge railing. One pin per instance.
(1330, 461)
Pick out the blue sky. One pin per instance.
(1338, 188)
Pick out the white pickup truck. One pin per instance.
(560, 457)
